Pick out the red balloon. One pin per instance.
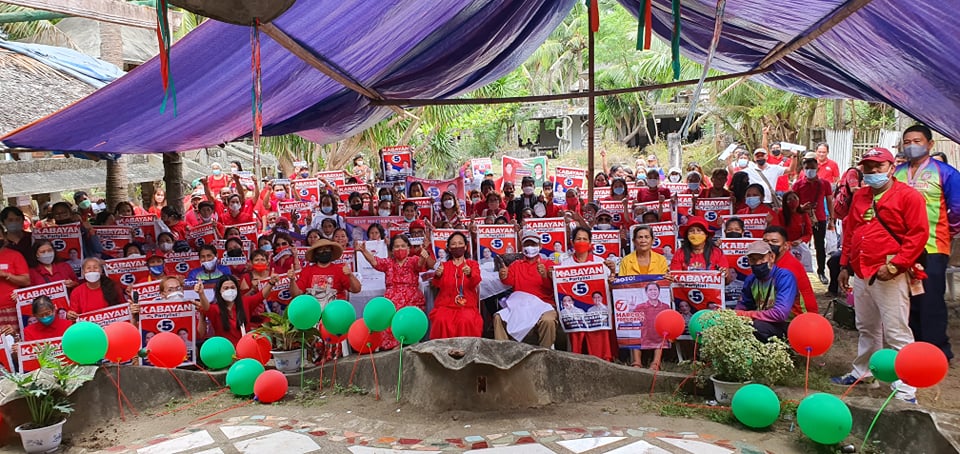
(270, 386)
(123, 341)
(810, 334)
(669, 324)
(166, 350)
(361, 339)
(254, 345)
(329, 337)
(921, 364)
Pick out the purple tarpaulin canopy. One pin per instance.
(400, 48)
(905, 53)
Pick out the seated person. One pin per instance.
(48, 325)
(531, 303)
(776, 237)
(210, 270)
(733, 228)
(768, 294)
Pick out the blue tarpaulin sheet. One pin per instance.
(93, 72)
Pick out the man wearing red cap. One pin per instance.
(884, 234)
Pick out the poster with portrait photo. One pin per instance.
(553, 236)
(582, 297)
(696, 291)
(753, 224)
(177, 317)
(494, 241)
(637, 300)
(67, 241)
(113, 239)
(735, 250)
(397, 163)
(23, 298)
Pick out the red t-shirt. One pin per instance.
(815, 191)
(698, 262)
(231, 332)
(61, 271)
(10, 262)
(84, 299)
(829, 171)
(216, 184)
(315, 275)
(791, 264)
(243, 216)
(178, 230)
(524, 277)
(646, 194)
(39, 331)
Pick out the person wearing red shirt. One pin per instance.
(218, 180)
(884, 234)
(531, 303)
(776, 237)
(97, 292)
(321, 279)
(753, 198)
(697, 253)
(815, 194)
(552, 209)
(174, 222)
(237, 210)
(48, 325)
(229, 315)
(159, 201)
(14, 274)
(653, 192)
(795, 220)
(718, 179)
(356, 206)
(47, 268)
(456, 309)
(827, 169)
(573, 202)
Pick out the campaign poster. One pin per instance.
(601, 193)
(439, 239)
(664, 209)
(178, 317)
(397, 162)
(567, 178)
(637, 300)
(201, 235)
(127, 271)
(684, 208)
(494, 241)
(144, 227)
(712, 209)
(515, 169)
(302, 253)
(27, 353)
(248, 230)
(582, 297)
(553, 236)
(147, 291)
(306, 189)
(753, 224)
(697, 290)
(435, 188)
(56, 291)
(424, 206)
(6, 359)
(346, 189)
(479, 168)
(107, 315)
(357, 226)
(246, 178)
(67, 242)
(302, 209)
(664, 238)
(606, 244)
(226, 260)
(113, 238)
(180, 263)
(364, 269)
(349, 257)
(735, 249)
(334, 178)
(616, 209)
(279, 296)
(674, 188)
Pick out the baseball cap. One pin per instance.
(809, 156)
(418, 224)
(759, 151)
(877, 155)
(674, 170)
(529, 235)
(758, 247)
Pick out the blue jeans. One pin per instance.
(928, 312)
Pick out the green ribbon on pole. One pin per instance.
(675, 42)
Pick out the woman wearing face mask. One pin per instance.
(229, 315)
(449, 212)
(97, 292)
(321, 278)
(210, 268)
(165, 242)
(674, 175)
(527, 200)
(235, 256)
(46, 267)
(132, 250)
(236, 211)
(698, 253)
(48, 326)
(753, 199)
(327, 211)
(402, 275)
(357, 207)
(653, 192)
(794, 219)
(693, 184)
(596, 343)
(284, 257)
(618, 190)
(476, 204)
(279, 193)
(456, 310)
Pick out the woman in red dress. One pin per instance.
(229, 313)
(456, 310)
(402, 273)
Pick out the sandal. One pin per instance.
(636, 365)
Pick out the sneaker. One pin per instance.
(906, 398)
(850, 379)
(823, 278)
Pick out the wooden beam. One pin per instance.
(285, 40)
(112, 11)
(818, 29)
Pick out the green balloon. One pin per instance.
(409, 325)
(378, 313)
(217, 353)
(304, 312)
(84, 343)
(338, 316)
(881, 365)
(242, 375)
(756, 406)
(824, 418)
(694, 326)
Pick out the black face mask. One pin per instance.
(776, 249)
(356, 206)
(761, 162)
(775, 152)
(234, 253)
(761, 271)
(323, 256)
(63, 221)
(733, 235)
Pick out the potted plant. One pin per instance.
(47, 392)
(285, 340)
(737, 357)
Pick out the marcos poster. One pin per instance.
(697, 290)
(23, 297)
(67, 241)
(735, 249)
(753, 224)
(567, 178)
(397, 162)
(494, 241)
(113, 238)
(582, 297)
(553, 236)
(177, 317)
(515, 169)
(637, 300)
(127, 271)
(712, 209)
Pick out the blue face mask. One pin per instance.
(875, 180)
(156, 270)
(619, 190)
(47, 321)
(753, 201)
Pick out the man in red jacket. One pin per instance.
(883, 235)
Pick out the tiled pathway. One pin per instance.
(279, 435)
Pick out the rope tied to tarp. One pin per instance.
(164, 37)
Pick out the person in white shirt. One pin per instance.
(770, 172)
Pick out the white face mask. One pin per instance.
(166, 247)
(448, 203)
(175, 295)
(46, 258)
(134, 256)
(674, 178)
(742, 163)
(603, 227)
(229, 294)
(209, 266)
(528, 190)
(652, 182)
(694, 187)
(810, 173)
(384, 212)
(92, 276)
(234, 207)
(531, 251)
(539, 210)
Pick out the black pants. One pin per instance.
(765, 330)
(819, 235)
(833, 264)
(928, 312)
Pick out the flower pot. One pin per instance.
(41, 439)
(724, 390)
(288, 361)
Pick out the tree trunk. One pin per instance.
(111, 51)
(837, 114)
(117, 181)
(674, 149)
(173, 179)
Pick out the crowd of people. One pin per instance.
(897, 222)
